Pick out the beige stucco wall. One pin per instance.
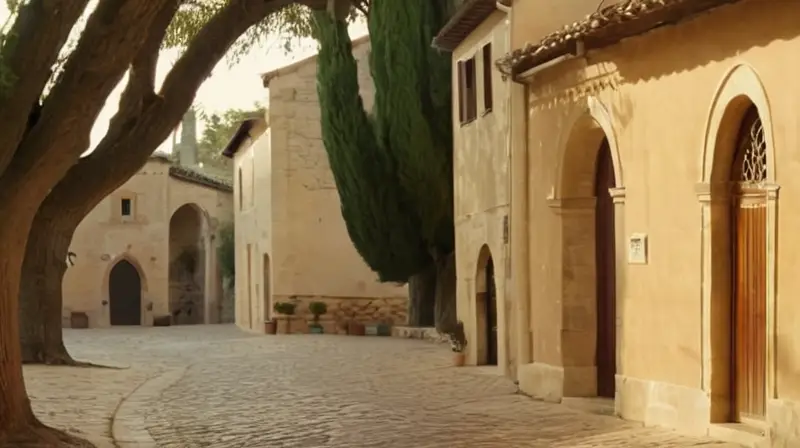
(481, 198)
(253, 218)
(534, 19)
(296, 219)
(661, 107)
(103, 238)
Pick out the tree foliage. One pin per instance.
(226, 251)
(293, 23)
(393, 169)
(218, 131)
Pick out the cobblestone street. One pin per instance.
(214, 386)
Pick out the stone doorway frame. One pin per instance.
(573, 200)
(480, 299)
(738, 90)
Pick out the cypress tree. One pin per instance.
(393, 169)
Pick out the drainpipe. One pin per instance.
(516, 151)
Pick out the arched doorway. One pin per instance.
(486, 308)
(588, 281)
(125, 294)
(606, 274)
(748, 225)
(187, 265)
(739, 199)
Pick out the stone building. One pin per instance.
(149, 248)
(291, 241)
(481, 190)
(645, 222)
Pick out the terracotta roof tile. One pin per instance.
(603, 28)
(467, 18)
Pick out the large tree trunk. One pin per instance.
(446, 315)
(18, 426)
(422, 298)
(40, 291)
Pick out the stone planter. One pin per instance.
(79, 320)
(283, 325)
(384, 330)
(162, 321)
(459, 358)
(356, 329)
(270, 327)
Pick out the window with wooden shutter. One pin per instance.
(461, 101)
(487, 78)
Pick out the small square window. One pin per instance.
(126, 208)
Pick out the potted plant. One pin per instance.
(385, 327)
(270, 326)
(458, 343)
(317, 309)
(286, 309)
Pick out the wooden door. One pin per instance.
(125, 294)
(605, 264)
(491, 315)
(749, 310)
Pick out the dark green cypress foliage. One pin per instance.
(413, 108)
(383, 226)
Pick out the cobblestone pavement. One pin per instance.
(214, 386)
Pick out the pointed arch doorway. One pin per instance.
(125, 294)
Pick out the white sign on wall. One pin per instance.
(637, 248)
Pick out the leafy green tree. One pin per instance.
(218, 131)
(393, 169)
(46, 116)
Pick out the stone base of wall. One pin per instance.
(541, 381)
(422, 333)
(655, 403)
(389, 310)
(783, 417)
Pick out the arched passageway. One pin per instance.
(187, 265)
(588, 253)
(486, 307)
(125, 294)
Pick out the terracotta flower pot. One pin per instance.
(459, 358)
(270, 327)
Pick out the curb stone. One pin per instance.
(128, 427)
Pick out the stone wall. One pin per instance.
(391, 310)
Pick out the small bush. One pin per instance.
(285, 308)
(317, 309)
(226, 252)
(458, 338)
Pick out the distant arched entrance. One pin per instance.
(187, 265)
(125, 294)
(486, 308)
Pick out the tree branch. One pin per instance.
(138, 132)
(113, 35)
(28, 55)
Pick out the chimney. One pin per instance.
(187, 147)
